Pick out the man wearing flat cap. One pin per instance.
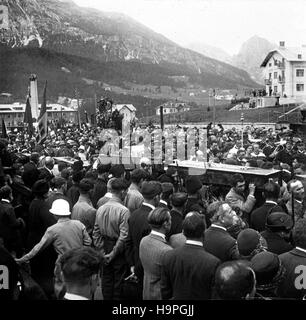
(278, 232)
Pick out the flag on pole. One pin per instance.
(28, 116)
(42, 119)
(4, 133)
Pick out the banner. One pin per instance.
(42, 119)
(4, 133)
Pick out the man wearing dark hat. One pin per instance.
(271, 193)
(194, 203)
(110, 235)
(83, 210)
(269, 273)
(250, 243)
(139, 227)
(218, 241)
(177, 201)
(278, 232)
(188, 271)
(294, 261)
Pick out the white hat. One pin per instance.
(60, 207)
(81, 148)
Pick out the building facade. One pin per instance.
(127, 110)
(285, 72)
(172, 107)
(13, 114)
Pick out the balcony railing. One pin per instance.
(268, 82)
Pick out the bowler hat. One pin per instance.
(193, 184)
(40, 187)
(268, 269)
(248, 241)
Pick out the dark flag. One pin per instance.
(28, 116)
(42, 119)
(86, 117)
(4, 133)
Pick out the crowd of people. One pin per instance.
(93, 227)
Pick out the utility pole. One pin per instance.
(214, 115)
(242, 120)
(77, 97)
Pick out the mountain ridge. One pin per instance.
(70, 30)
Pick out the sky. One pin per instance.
(225, 24)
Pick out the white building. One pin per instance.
(172, 107)
(284, 70)
(127, 110)
(13, 114)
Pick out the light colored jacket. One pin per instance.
(235, 200)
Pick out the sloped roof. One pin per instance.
(120, 106)
(290, 54)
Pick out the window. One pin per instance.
(275, 75)
(270, 76)
(275, 89)
(300, 87)
(300, 72)
(270, 64)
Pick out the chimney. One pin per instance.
(282, 44)
(34, 96)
